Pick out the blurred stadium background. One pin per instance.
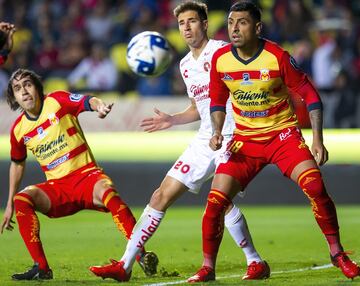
(59, 38)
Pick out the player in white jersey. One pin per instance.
(198, 162)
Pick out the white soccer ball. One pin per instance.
(148, 54)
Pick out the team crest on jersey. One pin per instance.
(246, 79)
(227, 77)
(207, 66)
(41, 132)
(264, 75)
(185, 74)
(53, 119)
(75, 97)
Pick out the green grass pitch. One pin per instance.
(287, 237)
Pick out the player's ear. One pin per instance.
(205, 24)
(258, 28)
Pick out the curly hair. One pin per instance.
(17, 75)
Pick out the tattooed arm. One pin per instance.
(318, 149)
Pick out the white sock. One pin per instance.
(143, 230)
(236, 224)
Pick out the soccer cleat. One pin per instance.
(114, 270)
(347, 266)
(203, 275)
(149, 262)
(35, 273)
(257, 270)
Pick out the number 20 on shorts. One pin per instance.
(184, 168)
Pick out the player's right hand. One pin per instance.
(7, 219)
(216, 141)
(160, 121)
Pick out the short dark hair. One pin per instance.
(199, 7)
(19, 74)
(249, 6)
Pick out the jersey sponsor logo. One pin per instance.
(294, 63)
(76, 97)
(48, 149)
(247, 98)
(185, 74)
(58, 161)
(26, 139)
(254, 114)
(41, 132)
(197, 90)
(246, 79)
(285, 135)
(148, 231)
(207, 66)
(227, 77)
(54, 120)
(264, 75)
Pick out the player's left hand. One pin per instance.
(216, 141)
(103, 109)
(320, 153)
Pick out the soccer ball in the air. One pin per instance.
(148, 54)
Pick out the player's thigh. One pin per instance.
(39, 197)
(195, 165)
(169, 191)
(291, 155)
(227, 184)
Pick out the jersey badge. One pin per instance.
(41, 132)
(54, 120)
(264, 75)
(227, 77)
(246, 79)
(185, 74)
(207, 66)
(75, 97)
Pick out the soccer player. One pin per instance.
(49, 128)
(257, 74)
(198, 161)
(7, 31)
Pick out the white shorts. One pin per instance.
(197, 164)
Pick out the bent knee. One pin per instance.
(161, 200)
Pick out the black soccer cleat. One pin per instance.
(34, 274)
(149, 262)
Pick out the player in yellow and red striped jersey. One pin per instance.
(49, 128)
(257, 74)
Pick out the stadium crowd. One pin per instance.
(74, 43)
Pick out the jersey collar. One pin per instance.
(245, 62)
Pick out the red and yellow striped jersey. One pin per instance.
(55, 136)
(259, 89)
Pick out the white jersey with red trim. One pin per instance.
(196, 75)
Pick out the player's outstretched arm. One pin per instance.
(16, 173)
(318, 149)
(162, 120)
(101, 107)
